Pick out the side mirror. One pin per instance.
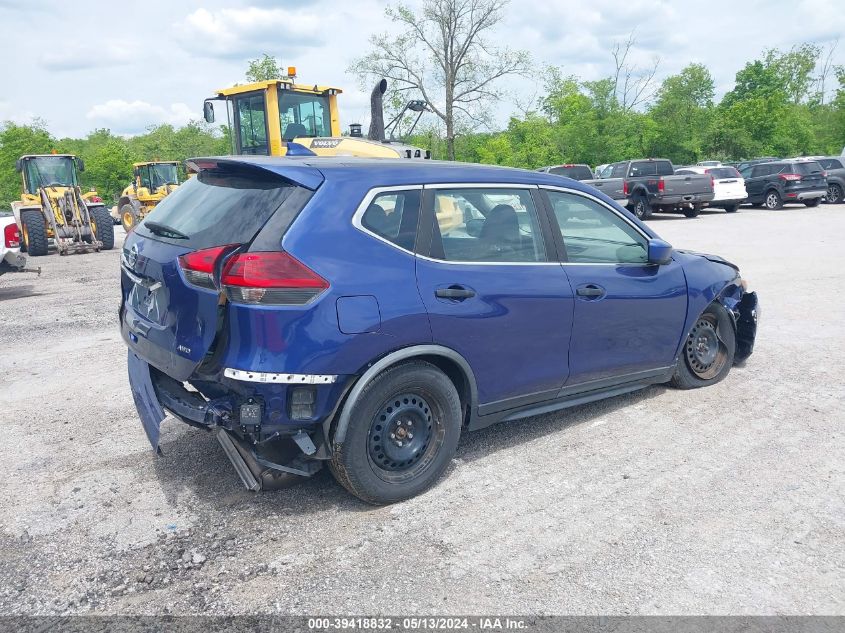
(208, 111)
(19, 165)
(659, 252)
(80, 165)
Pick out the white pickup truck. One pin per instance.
(11, 258)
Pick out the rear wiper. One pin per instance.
(165, 231)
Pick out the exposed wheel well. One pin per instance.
(454, 372)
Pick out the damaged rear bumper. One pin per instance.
(271, 454)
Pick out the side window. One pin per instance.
(486, 225)
(252, 126)
(664, 168)
(618, 170)
(393, 215)
(593, 234)
(759, 170)
(642, 169)
(830, 163)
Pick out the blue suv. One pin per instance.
(363, 313)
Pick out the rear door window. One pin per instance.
(486, 225)
(642, 169)
(393, 216)
(228, 205)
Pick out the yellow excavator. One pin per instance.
(152, 182)
(53, 207)
(280, 117)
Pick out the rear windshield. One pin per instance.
(723, 172)
(830, 163)
(218, 206)
(577, 172)
(805, 169)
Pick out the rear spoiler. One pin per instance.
(293, 170)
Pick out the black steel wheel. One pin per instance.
(709, 350)
(403, 431)
(641, 208)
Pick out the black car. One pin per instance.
(776, 183)
(834, 167)
(576, 172)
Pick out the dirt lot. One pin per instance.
(723, 500)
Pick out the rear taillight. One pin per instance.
(661, 185)
(270, 278)
(96, 199)
(12, 236)
(824, 174)
(625, 187)
(199, 266)
(789, 176)
(712, 182)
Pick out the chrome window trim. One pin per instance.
(358, 216)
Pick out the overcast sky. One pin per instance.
(129, 65)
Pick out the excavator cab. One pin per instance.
(267, 115)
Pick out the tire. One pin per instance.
(102, 226)
(814, 202)
(834, 194)
(640, 207)
(694, 212)
(731, 208)
(367, 466)
(128, 217)
(708, 352)
(34, 232)
(772, 200)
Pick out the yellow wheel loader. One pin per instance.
(152, 182)
(53, 207)
(265, 116)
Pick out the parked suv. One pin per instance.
(835, 171)
(776, 183)
(363, 314)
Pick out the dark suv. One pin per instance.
(776, 183)
(576, 172)
(834, 167)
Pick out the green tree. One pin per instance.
(263, 68)
(15, 141)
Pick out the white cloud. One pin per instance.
(83, 54)
(10, 113)
(133, 117)
(248, 32)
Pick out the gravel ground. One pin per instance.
(727, 500)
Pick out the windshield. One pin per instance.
(45, 171)
(303, 115)
(163, 174)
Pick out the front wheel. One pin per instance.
(102, 226)
(708, 352)
(773, 201)
(403, 432)
(34, 232)
(128, 217)
(814, 202)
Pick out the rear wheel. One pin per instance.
(773, 201)
(640, 207)
(128, 217)
(403, 433)
(834, 194)
(34, 232)
(812, 203)
(102, 226)
(708, 352)
(693, 212)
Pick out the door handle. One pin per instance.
(590, 291)
(454, 292)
